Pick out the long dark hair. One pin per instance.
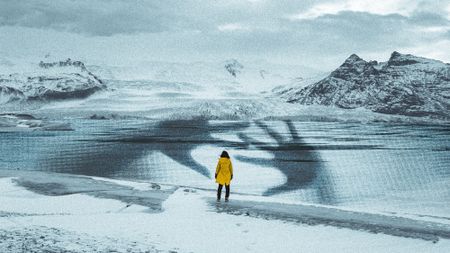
(225, 154)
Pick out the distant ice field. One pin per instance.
(372, 167)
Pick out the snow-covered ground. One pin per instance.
(75, 214)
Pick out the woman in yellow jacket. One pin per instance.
(224, 174)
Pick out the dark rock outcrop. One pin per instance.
(233, 67)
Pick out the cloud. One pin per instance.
(232, 27)
(109, 17)
(101, 17)
(311, 32)
(402, 7)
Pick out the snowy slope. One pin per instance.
(405, 85)
(243, 76)
(48, 81)
(10, 94)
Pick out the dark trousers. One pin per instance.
(227, 191)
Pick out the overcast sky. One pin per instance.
(315, 33)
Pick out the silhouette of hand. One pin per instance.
(293, 157)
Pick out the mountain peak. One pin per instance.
(395, 54)
(353, 65)
(354, 58)
(398, 59)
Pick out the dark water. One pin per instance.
(376, 167)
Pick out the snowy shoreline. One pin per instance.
(42, 211)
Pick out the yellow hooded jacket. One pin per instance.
(224, 171)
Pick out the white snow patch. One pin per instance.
(17, 199)
(188, 224)
(140, 186)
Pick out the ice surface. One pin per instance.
(372, 167)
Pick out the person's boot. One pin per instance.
(226, 199)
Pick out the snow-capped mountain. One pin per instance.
(48, 81)
(405, 84)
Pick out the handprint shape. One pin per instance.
(297, 160)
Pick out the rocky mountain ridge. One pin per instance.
(404, 85)
(50, 81)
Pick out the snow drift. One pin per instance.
(23, 122)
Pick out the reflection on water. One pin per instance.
(329, 163)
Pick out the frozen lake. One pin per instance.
(372, 167)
